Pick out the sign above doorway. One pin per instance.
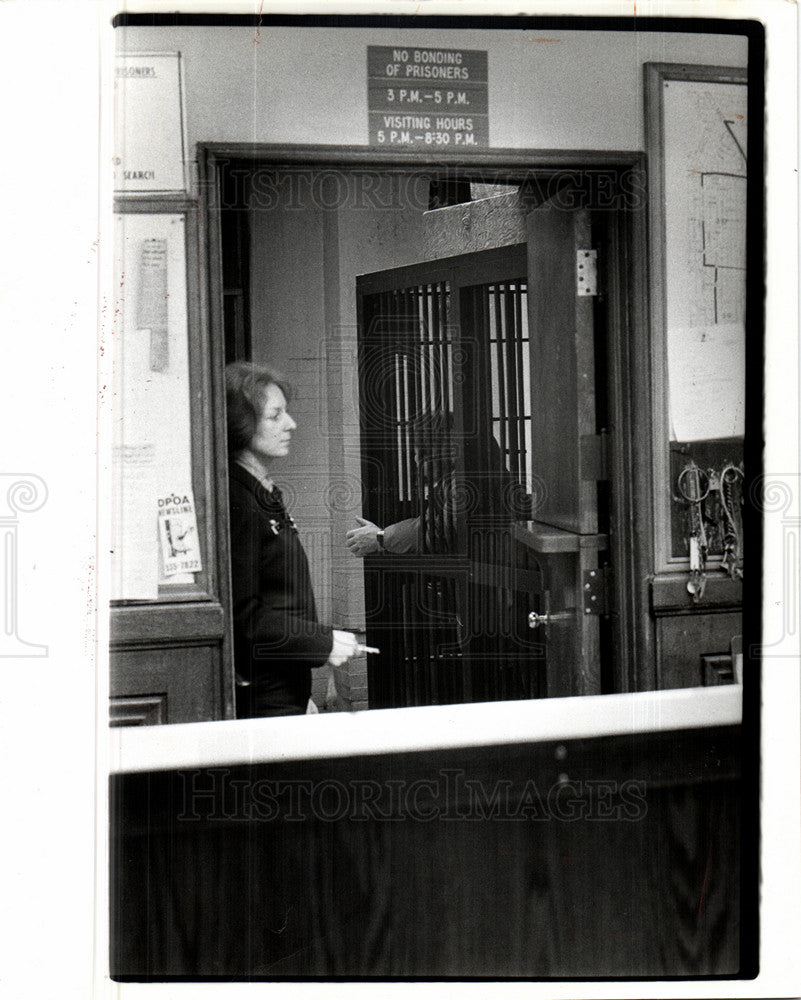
(425, 97)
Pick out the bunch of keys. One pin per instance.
(697, 582)
(731, 481)
(694, 492)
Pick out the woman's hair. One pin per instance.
(246, 384)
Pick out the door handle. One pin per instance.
(535, 620)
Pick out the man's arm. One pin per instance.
(400, 538)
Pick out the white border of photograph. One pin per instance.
(57, 313)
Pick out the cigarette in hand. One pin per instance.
(367, 649)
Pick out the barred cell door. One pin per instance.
(446, 445)
(471, 438)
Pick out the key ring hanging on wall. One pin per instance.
(714, 501)
(731, 501)
(690, 486)
(731, 481)
(693, 486)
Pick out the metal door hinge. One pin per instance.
(596, 591)
(586, 272)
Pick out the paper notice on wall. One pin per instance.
(707, 381)
(134, 563)
(152, 312)
(180, 545)
(149, 132)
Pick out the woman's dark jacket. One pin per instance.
(277, 637)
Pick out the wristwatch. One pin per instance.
(379, 537)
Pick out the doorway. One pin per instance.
(529, 376)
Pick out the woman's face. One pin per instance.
(273, 428)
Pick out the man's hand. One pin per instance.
(362, 541)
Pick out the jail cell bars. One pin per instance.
(507, 313)
(407, 409)
(446, 439)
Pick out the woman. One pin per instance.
(277, 637)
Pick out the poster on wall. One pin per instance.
(180, 552)
(152, 434)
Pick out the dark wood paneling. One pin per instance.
(604, 857)
(209, 262)
(572, 638)
(166, 622)
(188, 679)
(683, 642)
(669, 591)
(489, 166)
(562, 367)
(138, 710)
(624, 245)
(718, 668)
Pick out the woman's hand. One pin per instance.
(331, 694)
(363, 541)
(345, 647)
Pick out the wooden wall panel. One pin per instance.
(684, 641)
(527, 861)
(185, 681)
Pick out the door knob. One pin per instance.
(535, 620)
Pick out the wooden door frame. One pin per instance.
(628, 340)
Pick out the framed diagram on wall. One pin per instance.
(697, 139)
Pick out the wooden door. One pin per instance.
(569, 528)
